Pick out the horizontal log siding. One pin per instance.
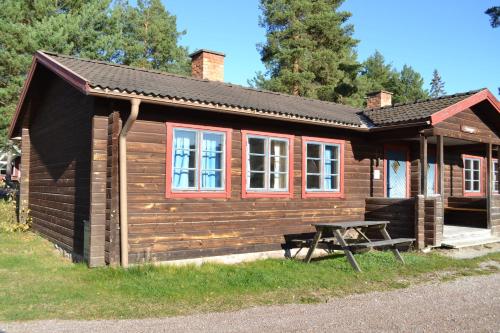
(480, 118)
(59, 190)
(400, 212)
(166, 229)
(112, 236)
(98, 191)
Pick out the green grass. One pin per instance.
(37, 283)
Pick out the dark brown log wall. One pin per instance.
(166, 229)
(60, 131)
(481, 117)
(112, 236)
(98, 181)
(400, 212)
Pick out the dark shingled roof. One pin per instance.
(159, 84)
(412, 112)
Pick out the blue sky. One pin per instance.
(453, 36)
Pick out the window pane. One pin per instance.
(278, 164)
(256, 180)
(467, 174)
(184, 178)
(257, 163)
(212, 141)
(184, 158)
(331, 167)
(313, 182)
(211, 179)
(256, 145)
(467, 164)
(184, 139)
(313, 150)
(331, 152)
(278, 148)
(211, 161)
(467, 185)
(476, 175)
(475, 164)
(331, 183)
(476, 186)
(278, 181)
(313, 166)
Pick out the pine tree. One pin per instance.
(494, 13)
(309, 49)
(150, 38)
(408, 86)
(437, 85)
(96, 29)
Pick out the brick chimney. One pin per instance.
(378, 99)
(207, 65)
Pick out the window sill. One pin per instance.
(199, 195)
(339, 195)
(473, 194)
(250, 194)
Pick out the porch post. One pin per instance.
(423, 165)
(440, 165)
(489, 191)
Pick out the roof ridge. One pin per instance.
(470, 92)
(228, 84)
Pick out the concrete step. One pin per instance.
(468, 242)
(479, 233)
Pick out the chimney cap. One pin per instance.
(195, 53)
(373, 93)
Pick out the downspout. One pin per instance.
(134, 112)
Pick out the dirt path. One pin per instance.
(469, 304)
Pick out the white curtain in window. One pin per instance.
(211, 163)
(328, 167)
(182, 143)
(276, 152)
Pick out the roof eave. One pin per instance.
(466, 103)
(184, 103)
(68, 75)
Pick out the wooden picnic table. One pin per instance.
(340, 231)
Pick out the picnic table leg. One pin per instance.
(347, 250)
(394, 249)
(314, 243)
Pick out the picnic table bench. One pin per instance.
(340, 241)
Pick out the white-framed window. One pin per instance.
(495, 176)
(198, 160)
(267, 163)
(472, 175)
(323, 167)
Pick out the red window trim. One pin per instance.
(407, 150)
(322, 194)
(481, 176)
(265, 194)
(226, 193)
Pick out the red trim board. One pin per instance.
(265, 194)
(322, 194)
(169, 193)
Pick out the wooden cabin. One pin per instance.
(123, 164)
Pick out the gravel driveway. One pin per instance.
(469, 304)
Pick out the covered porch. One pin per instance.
(439, 186)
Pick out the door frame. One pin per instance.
(401, 147)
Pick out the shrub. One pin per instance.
(8, 216)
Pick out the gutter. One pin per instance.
(134, 112)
